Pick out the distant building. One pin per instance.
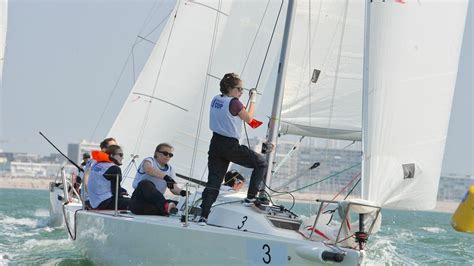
(75, 150)
(453, 187)
(333, 159)
(31, 165)
(339, 164)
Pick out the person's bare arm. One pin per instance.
(149, 170)
(247, 115)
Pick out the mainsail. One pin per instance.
(170, 100)
(413, 62)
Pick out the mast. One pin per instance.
(365, 101)
(278, 96)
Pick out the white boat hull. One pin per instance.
(56, 195)
(154, 240)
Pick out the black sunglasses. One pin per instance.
(165, 153)
(119, 154)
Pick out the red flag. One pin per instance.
(255, 123)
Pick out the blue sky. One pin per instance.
(64, 58)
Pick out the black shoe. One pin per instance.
(173, 211)
(262, 201)
(249, 202)
(256, 201)
(202, 221)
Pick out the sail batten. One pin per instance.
(318, 132)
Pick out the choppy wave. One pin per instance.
(384, 251)
(7, 220)
(406, 238)
(435, 230)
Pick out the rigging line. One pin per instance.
(147, 114)
(159, 24)
(161, 100)
(148, 18)
(206, 86)
(352, 189)
(269, 43)
(321, 180)
(347, 146)
(255, 37)
(110, 96)
(146, 40)
(214, 77)
(133, 65)
(258, 80)
(331, 107)
(310, 44)
(218, 79)
(122, 71)
(346, 186)
(210, 7)
(338, 63)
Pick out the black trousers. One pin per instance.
(223, 151)
(109, 204)
(147, 200)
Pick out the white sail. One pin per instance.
(413, 62)
(3, 38)
(3, 33)
(335, 47)
(170, 100)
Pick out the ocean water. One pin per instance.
(406, 238)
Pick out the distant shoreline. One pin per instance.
(25, 183)
(43, 184)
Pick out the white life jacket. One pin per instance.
(160, 184)
(221, 121)
(98, 186)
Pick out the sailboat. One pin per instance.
(352, 70)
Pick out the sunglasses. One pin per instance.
(119, 154)
(165, 153)
(239, 88)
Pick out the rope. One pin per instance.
(147, 114)
(73, 237)
(122, 71)
(255, 38)
(325, 178)
(206, 85)
(269, 43)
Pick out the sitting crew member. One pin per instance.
(96, 156)
(153, 176)
(103, 181)
(233, 181)
(85, 158)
